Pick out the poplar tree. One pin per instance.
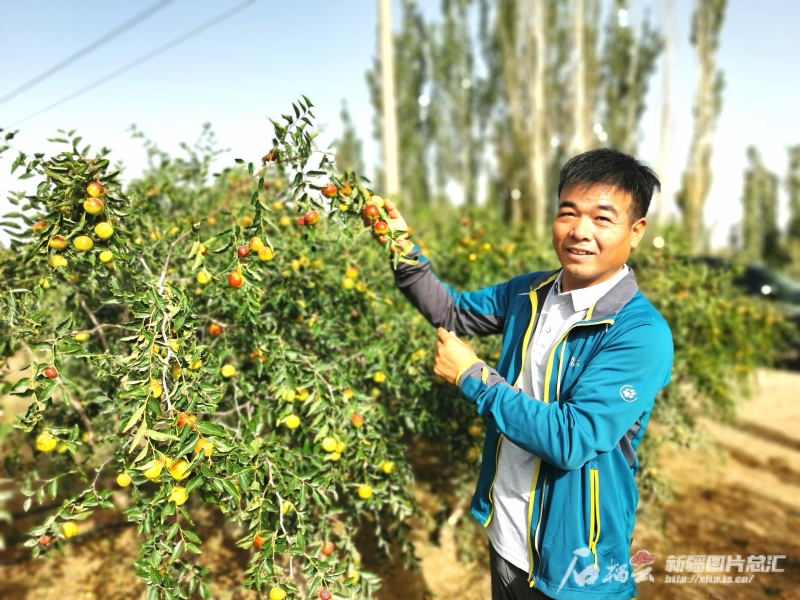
(760, 233)
(411, 76)
(348, 146)
(628, 62)
(793, 192)
(706, 26)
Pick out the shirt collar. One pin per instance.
(583, 298)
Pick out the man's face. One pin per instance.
(593, 234)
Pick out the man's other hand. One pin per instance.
(451, 356)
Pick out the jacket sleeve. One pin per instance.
(616, 387)
(469, 313)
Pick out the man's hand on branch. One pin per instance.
(396, 222)
(451, 356)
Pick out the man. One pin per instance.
(584, 355)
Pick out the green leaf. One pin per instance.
(139, 435)
(135, 417)
(160, 436)
(211, 429)
(230, 487)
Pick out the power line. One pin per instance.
(86, 50)
(161, 49)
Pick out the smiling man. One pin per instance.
(583, 356)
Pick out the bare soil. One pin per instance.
(736, 494)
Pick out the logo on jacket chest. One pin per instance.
(575, 361)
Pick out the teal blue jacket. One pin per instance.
(601, 380)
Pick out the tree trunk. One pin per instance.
(708, 17)
(667, 124)
(580, 139)
(390, 153)
(538, 125)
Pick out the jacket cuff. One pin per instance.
(477, 369)
(410, 256)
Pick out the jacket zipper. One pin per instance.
(562, 341)
(594, 512)
(534, 303)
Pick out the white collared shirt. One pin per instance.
(508, 530)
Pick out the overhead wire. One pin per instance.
(144, 58)
(90, 47)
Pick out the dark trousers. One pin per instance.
(510, 582)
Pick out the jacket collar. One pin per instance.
(610, 304)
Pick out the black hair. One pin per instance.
(606, 166)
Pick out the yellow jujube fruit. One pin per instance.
(302, 394)
(176, 372)
(61, 447)
(155, 389)
(153, 469)
(277, 593)
(266, 253)
(174, 344)
(256, 244)
(340, 447)
(292, 421)
(69, 529)
(228, 371)
(57, 242)
(334, 456)
(81, 336)
(83, 243)
(178, 495)
(361, 287)
(348, 283)
(204, 446)
(93, 206)
(179, 470)
(45, 442)
(351, 273)
(285, 221)
(289, 395)
(58, 261)
(106, 256)
(95, 189)
(387, 467)
(203, 277)
(195, 364)
(379, 377)
(365, 491)
(329, 444)
(123, 480)
(103, 230)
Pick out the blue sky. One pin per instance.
(255, 63)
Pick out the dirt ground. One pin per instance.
(736, 494)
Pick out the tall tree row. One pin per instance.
(793, 192)
(760, 234)
(706, 26)
(501, 92)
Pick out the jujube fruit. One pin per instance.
(372, 212)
